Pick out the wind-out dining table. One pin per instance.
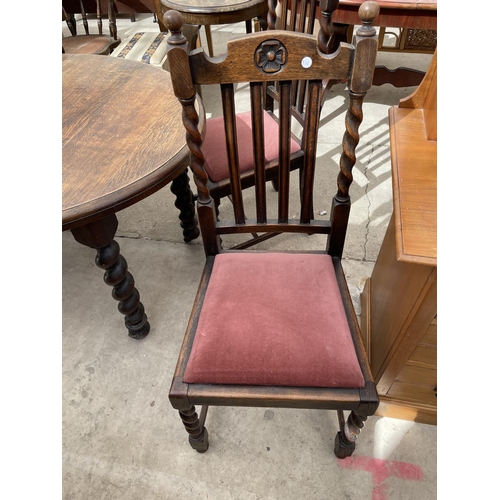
(122, 140)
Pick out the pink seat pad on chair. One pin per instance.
(214, 147)
(273, 319)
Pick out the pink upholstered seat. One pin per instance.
(215, 152)
(274, 319)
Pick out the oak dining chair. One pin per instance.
(146, 46)
(273, 328)
(150, 47)
(93, 41)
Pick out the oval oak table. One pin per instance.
(122, 140)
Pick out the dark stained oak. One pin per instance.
(279, 57)
(122, 140)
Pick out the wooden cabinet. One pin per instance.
(399, 324)
(399, 301)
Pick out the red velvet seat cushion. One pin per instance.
(273, 319)
(214, 147)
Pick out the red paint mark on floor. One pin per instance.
(380, 470)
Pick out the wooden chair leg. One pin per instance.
(345, 440)
(198, 435)
(184, 202)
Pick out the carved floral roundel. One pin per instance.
(271, 56)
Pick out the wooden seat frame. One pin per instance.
(302, 60)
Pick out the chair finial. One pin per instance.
(172, 19)
(368, 11)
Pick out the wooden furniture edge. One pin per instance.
(405, 410)
(395, 114)
(366, 319)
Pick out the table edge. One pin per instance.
(118, 200)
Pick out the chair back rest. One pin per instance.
(300, 16)
(99, 12)
(260, 58)
(69, 21)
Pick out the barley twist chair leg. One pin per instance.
(198, 434)
(345, 440)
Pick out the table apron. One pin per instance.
(397, 18)
(229, 17)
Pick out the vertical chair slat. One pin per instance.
(284, 150)
(84, 17)
(300, 96)
(302, 20)
(99, 16)
(311, 17)
(293, 25)
(293, 17)
(309, 143)
(280, 20)
(281, 24)
(228, 108)
(256, 91)
(298, 25)
(301, 93)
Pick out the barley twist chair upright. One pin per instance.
(273, 329)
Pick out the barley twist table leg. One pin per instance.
(100, 236)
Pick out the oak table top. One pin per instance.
(122, 135)
(122, 140)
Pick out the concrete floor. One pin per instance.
(121, 437)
